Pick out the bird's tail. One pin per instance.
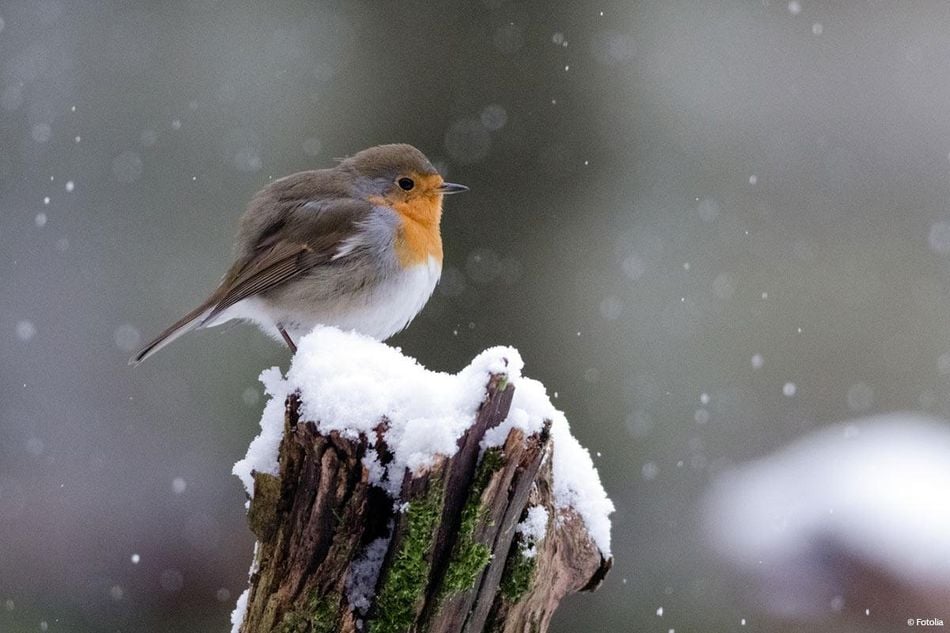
(187, 323)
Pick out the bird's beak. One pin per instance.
(451, 187)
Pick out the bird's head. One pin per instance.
(401, 177)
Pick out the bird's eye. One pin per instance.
(406, 183)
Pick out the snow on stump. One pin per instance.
(388, 498)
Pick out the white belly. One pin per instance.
(379, 313)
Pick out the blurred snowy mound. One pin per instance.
(350, 383)
(853, 518)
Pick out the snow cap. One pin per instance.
(349, 383)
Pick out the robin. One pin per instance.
(356, 246)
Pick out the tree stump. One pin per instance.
(335, 553)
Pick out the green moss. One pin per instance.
(468, 560)
(325, 617)
(502, 382)
(262, 514)
(492, 460)
(398, 599)
(468, 557)
(518, 575)
(318, 615)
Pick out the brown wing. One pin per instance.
(305, 239)
(275, 265)
(282, 237)
(282, 262)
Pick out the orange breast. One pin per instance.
(418, 236)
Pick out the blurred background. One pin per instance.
(711, 229)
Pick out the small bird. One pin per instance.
(356, 246)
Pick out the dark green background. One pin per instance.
(612, 234)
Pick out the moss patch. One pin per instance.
(502, 382)
(518, 575)
(398, 599)
(262, 514)
(467, 563)
(319, 615)
(468, 557)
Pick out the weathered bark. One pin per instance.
(454, 560)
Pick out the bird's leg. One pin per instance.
(287, 339)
